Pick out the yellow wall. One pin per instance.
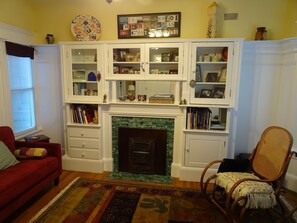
(54, 16)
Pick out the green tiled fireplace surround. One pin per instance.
(145, 123)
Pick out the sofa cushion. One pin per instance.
(23, 176)
(25, 153)
(7, 159)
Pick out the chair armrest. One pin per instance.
(204, 187)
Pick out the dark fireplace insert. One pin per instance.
(142, 150)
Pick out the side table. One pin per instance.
(37, 138)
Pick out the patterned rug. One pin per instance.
(87, 200)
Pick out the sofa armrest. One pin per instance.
(53, 149)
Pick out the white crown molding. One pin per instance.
(16, 34)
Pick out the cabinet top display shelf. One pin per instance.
(133, 41)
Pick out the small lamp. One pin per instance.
(131, 89)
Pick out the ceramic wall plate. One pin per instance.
(86, 28)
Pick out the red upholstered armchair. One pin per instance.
(22, 181)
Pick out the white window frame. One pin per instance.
(6, 117)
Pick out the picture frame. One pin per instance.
(219, 92)
(119, 55)
(212, 76)
(223, 75)
(205, 93)
(79, 75)
(149, 25)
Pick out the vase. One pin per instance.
(260, 34)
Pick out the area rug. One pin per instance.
(90, 201)
(87, 200)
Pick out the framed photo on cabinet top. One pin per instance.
(150, 25)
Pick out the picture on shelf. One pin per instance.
(212, 77)
(132, 57)
(119, 55)
(166, 57)
(219, 92)
(79, 75)
(223, 75)
(205, 93)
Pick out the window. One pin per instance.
(21, 85)
(22, 93)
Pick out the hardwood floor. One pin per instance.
(34, 206)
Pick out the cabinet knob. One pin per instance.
(83, 145)
(142, 67)
(82, 155)
(192, 83)
(82, 133)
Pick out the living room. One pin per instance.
(263, 100)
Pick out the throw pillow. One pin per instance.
(25, 153)
(7, 159)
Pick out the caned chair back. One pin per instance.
(272, 153)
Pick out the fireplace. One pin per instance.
(142, 150)
(166, 124)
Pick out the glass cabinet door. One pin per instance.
(163, 61)
(84, 73)
(126, 61)
(145, 61)
(211, 73)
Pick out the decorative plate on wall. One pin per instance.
(86, 28)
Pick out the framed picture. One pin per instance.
(223, 75)
(120, 55)
(151, 25)
(219, 92)
(212, 76)
(205, 93)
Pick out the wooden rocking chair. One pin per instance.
(233, 193)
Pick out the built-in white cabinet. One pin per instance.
(82, 67)
(212, 73)
(213, 81)
(145, 73)
(202, 148)
(193, 82)
(84, 142)
(145, 61)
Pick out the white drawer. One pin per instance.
(84, 153)
(83, 132)
(83, 143)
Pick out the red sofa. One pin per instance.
(19, 183)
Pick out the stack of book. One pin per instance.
(162, 98)
(84, 114)
(198, 118)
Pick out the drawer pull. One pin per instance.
(82, 134)
(83, 145)
(82, 155)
